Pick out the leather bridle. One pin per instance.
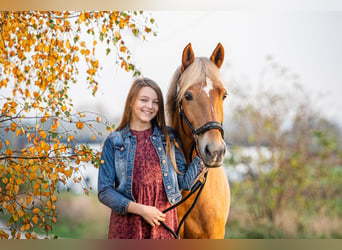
(196, 132)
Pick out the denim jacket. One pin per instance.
(117, 163)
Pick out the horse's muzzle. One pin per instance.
(213, 153)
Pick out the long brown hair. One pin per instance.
(158, 120)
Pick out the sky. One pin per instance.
(306, 42)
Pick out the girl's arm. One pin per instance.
(189, 173)
(106, 191)
(150, 214)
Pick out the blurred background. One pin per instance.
(282, 119)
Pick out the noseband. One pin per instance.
(196, 132)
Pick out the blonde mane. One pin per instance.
(196, 73)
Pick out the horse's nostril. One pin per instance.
(206, 150)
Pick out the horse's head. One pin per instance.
(199, 100)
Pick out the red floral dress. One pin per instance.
(148, 189)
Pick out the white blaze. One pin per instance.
(208, 87)
(207, 90)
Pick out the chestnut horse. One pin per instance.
(196, 94)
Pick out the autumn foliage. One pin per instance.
(40, 54)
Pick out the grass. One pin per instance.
(84, 217)
(81, 217)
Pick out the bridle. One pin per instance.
(200, 183)
(196, 132)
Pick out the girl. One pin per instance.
(142, 172)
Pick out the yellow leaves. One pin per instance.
(36, 186)
(68, 173)
(29, 136)
(4, 180)
(85, 52)
(82, 17)
(123, 49)
(13, 126)
(35, 219)
(3, 83)
(17, 132)
(48, 204)
(20, 213)
(10, 208)
(44, 146)
(27, 93)
(42, 133)
(79, 125)
(44, 119)
(95, 63)
(117, 35)
(54, 198)
(8, 152)
(39, 64)
(91, 71)
(29, 198)
(36, 211)
(27, 235)
(70, 138)
(19, 182)
(54, 176)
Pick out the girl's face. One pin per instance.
(145, 107)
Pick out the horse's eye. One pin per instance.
(188, 96)
(224, 96)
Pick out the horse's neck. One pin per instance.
(186, 140)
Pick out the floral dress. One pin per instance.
(148, 189)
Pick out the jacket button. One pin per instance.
(169, 187)
(165, 174)
(153, 137)
(163, 161)
(173, 200)
(159, 148)
(122, 148)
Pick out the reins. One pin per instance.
(199, 184)
(196, 186)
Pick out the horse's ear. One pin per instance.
(218, 55)
(188, 57)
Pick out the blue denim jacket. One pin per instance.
(116, 169)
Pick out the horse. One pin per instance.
(195, 111)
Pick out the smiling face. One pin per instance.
(144, 108)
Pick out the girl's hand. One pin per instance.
(152, 215)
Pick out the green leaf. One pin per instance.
(101, 36)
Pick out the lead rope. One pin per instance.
(197, 185)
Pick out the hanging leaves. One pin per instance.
(40, 56)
